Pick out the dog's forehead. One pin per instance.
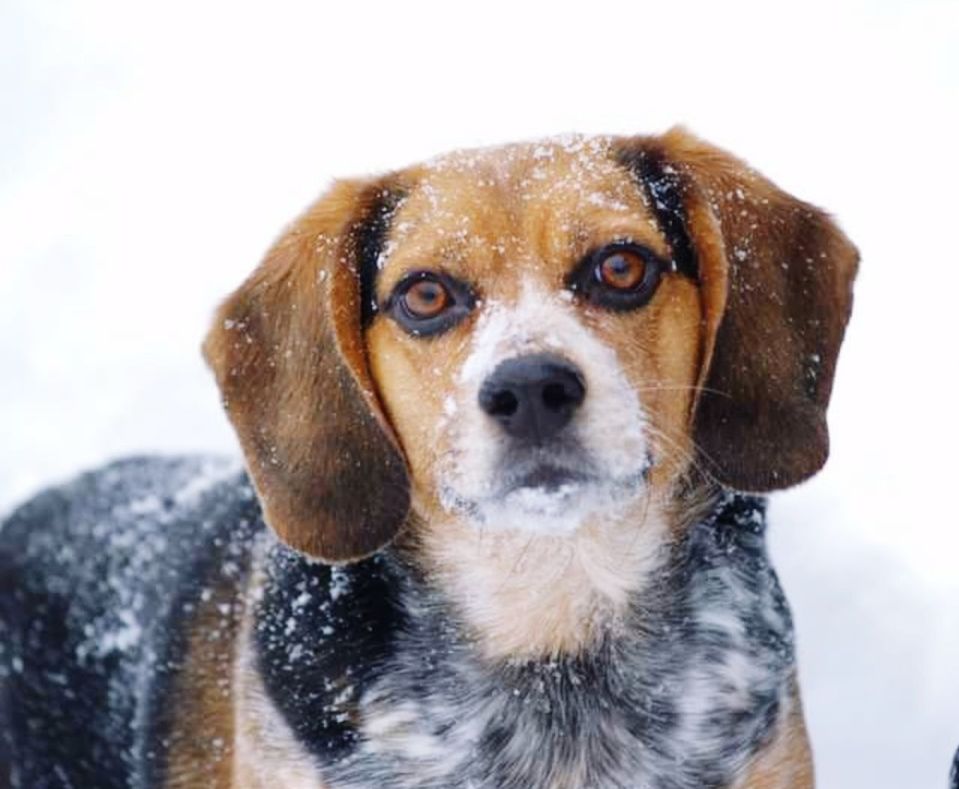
(560, 172)
(513, 165)
(542, 202)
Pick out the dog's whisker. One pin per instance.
(693, 458)
(677, 387)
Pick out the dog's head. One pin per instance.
(532, 336)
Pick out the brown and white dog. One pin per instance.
(506, 414)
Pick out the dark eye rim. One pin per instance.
(462, 300)
(586, 278)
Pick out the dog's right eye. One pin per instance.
(425, 299)
(429, 302)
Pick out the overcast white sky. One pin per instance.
(150, 152)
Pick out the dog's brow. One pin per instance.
(370, 238)
(664, 193)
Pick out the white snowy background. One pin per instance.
(149, 152)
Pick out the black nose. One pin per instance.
(533, 397)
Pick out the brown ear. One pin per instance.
(776, 276)
(288, 354)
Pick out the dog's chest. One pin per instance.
(684, 697)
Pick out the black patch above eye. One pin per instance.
(370, 237)
(605, 278)
(426, 302)
(665, 193)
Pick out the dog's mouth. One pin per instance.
(548, 491)
(548, 478)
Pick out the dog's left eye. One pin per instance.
(429, 302)
(620, 276)
(621, 270)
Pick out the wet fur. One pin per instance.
(404, 621)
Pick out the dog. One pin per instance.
(507, 419)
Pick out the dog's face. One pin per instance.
(532, 338)
(535, 347)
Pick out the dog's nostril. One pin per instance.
(503, 404)
(555, 397)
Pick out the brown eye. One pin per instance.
(426, 302)
(621, 276)
(622, 270)
(426, 299)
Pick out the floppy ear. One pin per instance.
(288, 354)
(776, 279)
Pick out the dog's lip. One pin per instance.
(547, 476)
(558, 482)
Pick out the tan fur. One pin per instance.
(535, 596)
(201, 747)
(786, 763)
(493, 217)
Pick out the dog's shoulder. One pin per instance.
(322, 635)
(98, 578)
(113, 538)
(110, 503)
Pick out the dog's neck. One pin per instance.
(373, 666)
(524, 595)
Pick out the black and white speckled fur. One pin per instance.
(98, 580)
(367, 664)
(684, 696)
